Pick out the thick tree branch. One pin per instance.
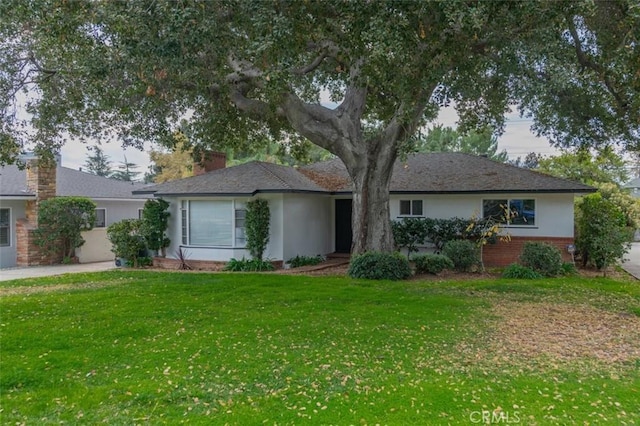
(586, 62)
(327, 49)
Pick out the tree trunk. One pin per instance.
(371, 221)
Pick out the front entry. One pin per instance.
(343, 226)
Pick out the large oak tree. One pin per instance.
(240, 70)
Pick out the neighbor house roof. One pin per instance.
(69, 182)
(244, 179)
(437, 173)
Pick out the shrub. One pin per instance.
(155, 221)
(61, 221)
(520, 272)
(379, 266)
(463, 253)
(299, 261)
(248, 265)
(257, 227)
(543, 258)
(409, 233)
(432, 263)
(569, 269)
(126, 239)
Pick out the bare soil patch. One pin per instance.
(566, 332)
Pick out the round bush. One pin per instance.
(520, 272)
(543, 258)
(379, 266)
(432, 263)
(463, 253)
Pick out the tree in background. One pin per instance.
(605, 166)
(126, 171)
(174, 163)
(446, 139)
(97, 162)
(61, 221)
(530, 161)
(248, 72)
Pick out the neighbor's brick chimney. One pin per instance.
(41, 181)
(210, 161)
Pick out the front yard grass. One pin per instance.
(137, 347)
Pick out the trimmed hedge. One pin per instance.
(463, 253)
(543, 258)
(432, 263)
(379, 266)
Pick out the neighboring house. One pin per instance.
(633, 187)
(311, 206)
(22, 190)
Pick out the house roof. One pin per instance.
(452, 172)
(244, 179)
(634, 183)
(437, 173)
(69, 182)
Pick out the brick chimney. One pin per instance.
(41, 181)
(210, 161)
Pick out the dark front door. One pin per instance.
(343, 226)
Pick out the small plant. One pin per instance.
(182, 259)
(299, 261)
(463, 253)
(432, 263)
(517, 271)
(380, 266)
(543, 258)
(248, 265)
(569, 269)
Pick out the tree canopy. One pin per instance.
(356, 78)
(446, 139)
(98, 162)
(605, 166)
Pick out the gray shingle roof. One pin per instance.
(69, 182)
(451, 173)
(447, 173)
(244, 179)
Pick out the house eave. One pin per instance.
(238, 194)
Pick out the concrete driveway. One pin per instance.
(45, 271)
(631, 262)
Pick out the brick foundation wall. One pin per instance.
(196, 265)
(505, 253)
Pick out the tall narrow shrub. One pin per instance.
(155, 221)
(257, 227)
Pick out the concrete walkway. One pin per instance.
(45, 271)
(631, 263)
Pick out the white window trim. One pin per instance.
(411, 200)
(509, 199)
(184, 238)
(9, 232)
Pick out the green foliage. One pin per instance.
(410, 232)
(606, 166)
(379, 266)
(155, 221)
(248, 265)
(127, 240)
(299, 261)
(568, 269)
(446, 139)
(257, 227)
(517, 271)
(61, 221)
(463, 253)
(543, 258)
(431, 263)
(602, 233)
(97, 162)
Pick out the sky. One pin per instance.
(517, 140)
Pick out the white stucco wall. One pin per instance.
(307, 225)
(97, 248)
(554, 212)
(16, 211)
(117, 210)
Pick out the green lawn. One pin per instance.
(136, 347)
